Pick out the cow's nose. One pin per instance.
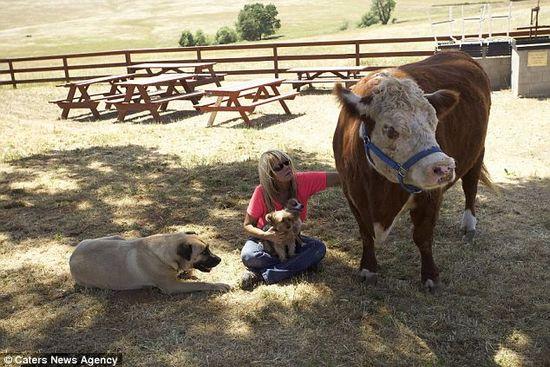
(442, 169)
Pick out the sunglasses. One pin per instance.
(280, 166)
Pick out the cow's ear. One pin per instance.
(351, 102)
(443, 100)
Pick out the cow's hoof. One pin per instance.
(431, 286)
(369, 277)
(469, 236)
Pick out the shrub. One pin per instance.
(368, 19)
(257, 20)
(200, 38)
(186, 39)
(343, 26)
(226, 35)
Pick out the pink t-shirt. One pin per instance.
(307, 184)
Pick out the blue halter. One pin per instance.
(401, 169)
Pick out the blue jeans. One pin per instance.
(256, 259)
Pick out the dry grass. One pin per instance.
(63, 181)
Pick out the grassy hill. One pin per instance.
(29, 27)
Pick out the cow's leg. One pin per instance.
(469, 185)
(368, 267)
(424, 216)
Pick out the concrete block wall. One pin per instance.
(530, 81)
(498, 69)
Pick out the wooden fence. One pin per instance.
(69, 63)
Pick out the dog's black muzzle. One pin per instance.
(207, 264)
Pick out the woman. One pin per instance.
(278, 183)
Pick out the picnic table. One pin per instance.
(254, 90)
(325, 74)
(79, 97)
(153, 101)
(204, 70)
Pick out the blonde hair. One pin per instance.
(267, 176)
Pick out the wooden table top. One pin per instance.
(326, 68)
(157, 79)
(168, 65)
(101, 79)
(242, 86)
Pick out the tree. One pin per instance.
(383, 9)
(257, 20)
(226, 35)
(380, 12)
(186, 39)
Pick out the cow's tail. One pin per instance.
(485, 178)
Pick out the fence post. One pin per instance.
(66, 69)
(275, 62)
(13, 82)
(199, 54)
(128, 61)
(357, 58)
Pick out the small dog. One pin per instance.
(120, 264)
(288, 222)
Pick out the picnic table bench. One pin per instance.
(204, 71)
(158, 100)
(78, 96)
(349, 75)
(255, 90)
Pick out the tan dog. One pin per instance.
(119, 264)
(286, 221)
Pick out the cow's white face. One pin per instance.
(402, 121)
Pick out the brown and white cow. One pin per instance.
(432, 113)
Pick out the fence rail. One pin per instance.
(67, 63)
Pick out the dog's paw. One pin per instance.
(222, 287)
(187, 275)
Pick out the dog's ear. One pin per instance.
(269, 218)
(185, 250)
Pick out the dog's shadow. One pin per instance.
(143, 296)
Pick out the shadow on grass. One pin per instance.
(208, 328)
(88, 117)
(144, 117)
(166, 117)
(493, 301)
(257, 122)
(120, 189)
(316, 91)
(272, 37)
(106, 190)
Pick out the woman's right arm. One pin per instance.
(250, 228)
